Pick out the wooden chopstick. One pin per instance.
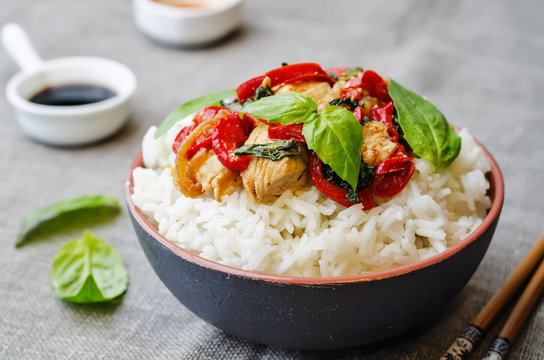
(473, 333)
(500, 347)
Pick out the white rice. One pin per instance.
(305, 233)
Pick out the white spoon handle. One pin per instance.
(20, 48)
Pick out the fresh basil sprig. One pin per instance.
(69, 213)
(274, 151)
(291, 108)
(190, 107)
(88, 270)
(425, 128)
(334, 134)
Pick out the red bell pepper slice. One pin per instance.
(331, 191)
(384, 114)
(247, 90)
(204, 140)
(284, 75)
(359, 113)
(181, 136)
(391, 183)
(365, 197)
(375, 85)
(338, 71)
(287, 132)
(392, 164)
(247, 121)
(228, 135)
(334, 192)
(203, 115)
(350, 93)
(355, 82)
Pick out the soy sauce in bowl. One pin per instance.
(70, 95)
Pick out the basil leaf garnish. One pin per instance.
(282, 108)
(66, 214)
(88, 270)
(425, 127)
(273, 151)
(191, 107)
(334, 134)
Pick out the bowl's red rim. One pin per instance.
(497, 188)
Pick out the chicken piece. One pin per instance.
(267, 177)
(208, 171)
(333, 93)
(317, 90)
(377, 144)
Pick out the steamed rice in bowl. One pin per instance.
(306, 230)
(307, 234)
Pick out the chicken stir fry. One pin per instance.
(225, 149)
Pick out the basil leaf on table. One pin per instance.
(291, 108)
(425, 128)
(88, 270)
(273, 151)
(191, 107)
(69, 213)
(334, 134)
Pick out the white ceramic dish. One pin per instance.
(187, 26)
(65, 125)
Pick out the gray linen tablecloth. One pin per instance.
(480, 61)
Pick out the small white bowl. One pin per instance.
(187, 26)
(72, 125)
(65, 125)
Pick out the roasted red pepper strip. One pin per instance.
(355, 82)
(351, 93)
(392, 164)
(334, 192)
(203, 115)
(331, 191)
(181, 136)
(391, 183)
(247, 90)
(338, 71)
(228, 135)
(204, 140)
(359, 113)
(365, 197)
(248, 122)
(375, 85)
(384, 115)
(286, 132)
(295, 72)
(284, 75)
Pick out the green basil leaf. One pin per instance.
(273, 151)
(336, 136)
(67, 214)
(190, 107)
(291, 108)
(88, 270)
(425, 127)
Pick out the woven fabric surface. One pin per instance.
(480, 61)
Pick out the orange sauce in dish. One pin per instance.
(190, 4)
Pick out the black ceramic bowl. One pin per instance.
(316, 313)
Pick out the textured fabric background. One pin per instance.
(480, 61)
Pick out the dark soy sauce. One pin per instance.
(69, 95)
